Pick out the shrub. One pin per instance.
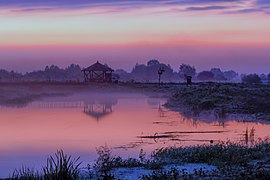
(104, 162)
(205, 76)
(251, 79)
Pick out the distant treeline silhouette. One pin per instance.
(140, 73)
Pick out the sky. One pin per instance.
(228, 34)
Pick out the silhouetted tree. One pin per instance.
(205, 76)
(263, 77)
(6, 76)
(186, 69)
(153, 62)
(139, 72)
(123, 75)
(73, 73)
(149, 73)
(54, 73)
(230, 75)
(218, 74)
(251, 79)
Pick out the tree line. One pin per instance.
(140, 73)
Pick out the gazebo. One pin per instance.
(98, 73)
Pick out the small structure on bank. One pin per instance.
(98, 73)
(161, 70)
(189, 80)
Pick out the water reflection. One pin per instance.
(129, 122)
(99, 107)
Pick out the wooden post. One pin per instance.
(160, 72)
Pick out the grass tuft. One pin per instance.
(61, 167)
(25, 174)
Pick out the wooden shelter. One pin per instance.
(98, 73)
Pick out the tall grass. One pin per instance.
(232, 159)
(61, 167)
(25, 174)
(223, 153)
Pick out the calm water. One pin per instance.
(80, 123)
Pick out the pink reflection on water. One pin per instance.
(28, 135)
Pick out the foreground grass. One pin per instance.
(59, 167)
(232, 160)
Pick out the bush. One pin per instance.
(104, 162)
(251, 79)
(205, 76)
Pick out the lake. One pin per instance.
(125, 122)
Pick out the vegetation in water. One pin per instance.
(233, 160)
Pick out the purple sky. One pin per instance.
(229, 34)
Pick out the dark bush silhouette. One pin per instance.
(186, 69)
(149, 72)
(123, 75)
(251, 79)
(6, 76)
(230, 75)
(205, 76)
(218, 74)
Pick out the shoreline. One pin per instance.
(223, 100)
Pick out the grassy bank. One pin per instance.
(223, 99)
(220, 98)
(232, 160)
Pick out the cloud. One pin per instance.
(225, 6)
(253, 10)
(94, 3)
(245, 11)
(262, 2)
(205, 8)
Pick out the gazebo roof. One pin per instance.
(98, 67)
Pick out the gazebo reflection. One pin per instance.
(99, 107)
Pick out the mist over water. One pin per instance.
(79, 123)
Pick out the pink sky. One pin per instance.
(230, 34)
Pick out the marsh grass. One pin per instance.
(224, 98)
(25, 173)
(233, 160)
(172, 174)
(223, 153)
(61, 167)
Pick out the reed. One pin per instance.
(61, 167)
(25, 173)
